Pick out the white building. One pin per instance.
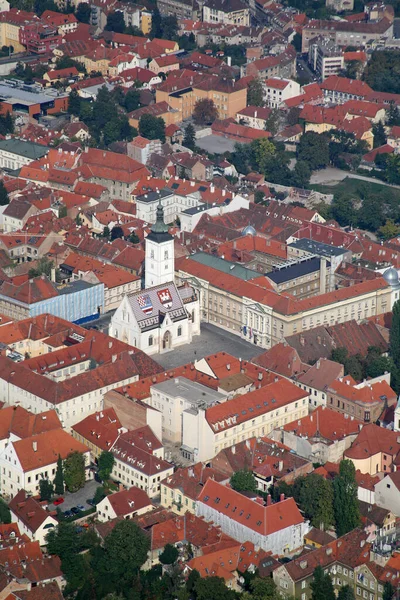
(140, 149)
(15, 153)
(135, 467)
(125, 504)
(387, 493)
(32, 519)
(25, 462)
(179, 394)
(162, 316)
(277, 90)
(173, 204)
(278, 528)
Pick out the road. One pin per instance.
(304, 73)
(102, 323)
(333, 176)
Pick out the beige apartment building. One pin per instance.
(265, 317)
(206, 431)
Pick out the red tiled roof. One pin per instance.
(49, 446)
(372, 440)
(264, 520)
(101, 428)
(282, 359)
(326, 423)
(28, 510)
(128, 501)
(266, 399)
(347, 86)
(274, 82)
(367, 394)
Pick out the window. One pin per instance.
(150, 340)
(303, 584)
(179, 331)
(166, 255)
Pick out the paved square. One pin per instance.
(211, 340)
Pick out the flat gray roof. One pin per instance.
(318, 248)
(225, 266)
(190, 390)
(13, 94)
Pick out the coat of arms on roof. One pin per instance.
(145, 304)
(165, 297)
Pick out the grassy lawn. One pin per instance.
(355, 187)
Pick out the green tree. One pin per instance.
(74, 103)
(105, 463)
(243, 481)
(345, 501)
(169, 27)
(313, 148)
(346, 593)
(99, 495)
(74, 471)
(125, 551)
(205, 112)
(393, 115)
(83, 12)
(5, 515)
(352, 69)
(388, 591)
(315, 497)
(44, 266)
(106, 232)
(255, 93)
(169, 555)
(4, 199)
(259, 197)
(293, 116)
(117, 232)
(379, 134)
(152, 128)
(46, 489)
(189, 141)
(115, 22)
(132, 100)
(301, 174)
(59, 477)
(343, 210)
(156, 30)
(272, 122)
(297, 42)
(321, 586)
(264, 153)
(393, 169)
(213, 588)
(263, 589)
(63, 540)
(394, 336)
(133, 238)
(389, 230)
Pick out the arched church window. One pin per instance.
(150, 340)
(179, 331)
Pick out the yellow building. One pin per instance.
(229, 96)
(180, 491)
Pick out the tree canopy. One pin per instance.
(105, 462)
(205, 112)
(345, 501)
(152, 128)
(74, 471)
(243, 481)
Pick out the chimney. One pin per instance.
(281, 465)
(318, 364)
(269, 500)
(34, 446)
(53, 275)
(233, 449)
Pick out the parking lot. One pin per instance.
(79, 497)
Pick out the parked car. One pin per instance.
(58, 501)
(68, 513)
(75, 510)
(80, 507)
(90, 501)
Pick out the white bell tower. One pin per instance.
(159, 260)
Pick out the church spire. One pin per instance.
(159, 230)
(159, 226)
